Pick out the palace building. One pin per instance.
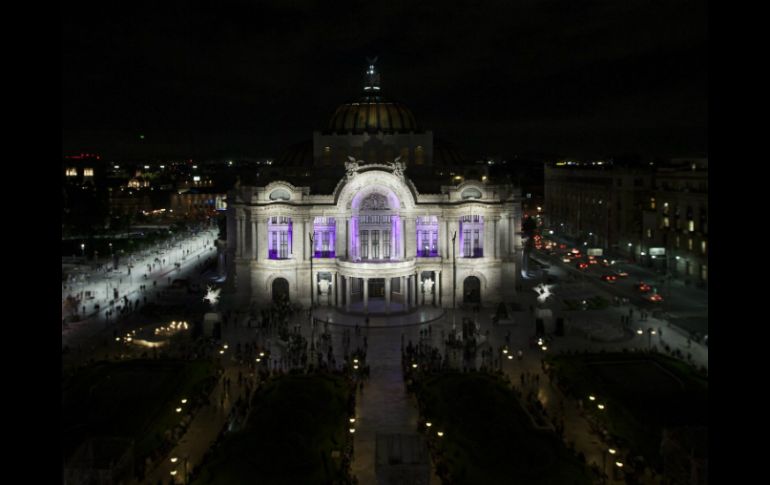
(375, 218)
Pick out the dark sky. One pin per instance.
(248, 78)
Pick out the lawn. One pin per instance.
(488, 438)
(296, 422)
(643, 394)
(133, 399)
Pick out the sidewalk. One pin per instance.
(202, 431)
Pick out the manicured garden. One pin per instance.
(297, 432)
(487, 437)
(642, 393)
(134, 399)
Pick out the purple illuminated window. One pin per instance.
(472, 236)
(427, 236)
(280, 238)
(324, 237)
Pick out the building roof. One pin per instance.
(372, 113)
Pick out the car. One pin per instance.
(654, 298)
(621, 274)
(643, 287)
(604, 263)
(609, 278)
(593, 261)
(582, 265)
(567, 259)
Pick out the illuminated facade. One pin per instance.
(377, 242)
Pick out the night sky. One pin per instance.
(247, 79)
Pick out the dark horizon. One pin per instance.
(587, 81)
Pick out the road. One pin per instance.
(685, 307)
(151, 268)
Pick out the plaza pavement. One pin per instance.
(385, 407)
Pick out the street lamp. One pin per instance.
(83, 249)
(454, 273)
(312, 290)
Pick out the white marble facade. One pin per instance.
(374, 238)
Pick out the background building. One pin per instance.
(653, 213)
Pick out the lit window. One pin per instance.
(72, 172)
(666, 222)
(652, 203)
(704, 275)
(649, 233)
(689, 244)
(691, 225)
(703, 247)
(88, 172)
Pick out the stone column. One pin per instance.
(433, 288)
(347, 292)
(387, 295)
(442, 238)
(437, 286)
(409, 293)
(240, 234)
(496, 236)
(341, 236)
(304, 244)
(404, 293)
(366, 295)
(262, 237)
(253, 221)
(410, 236)
(334, 282)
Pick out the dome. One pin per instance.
(372, 113)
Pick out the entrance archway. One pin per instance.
(280, 290)
(472, 290)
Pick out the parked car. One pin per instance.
(654, 298)
(609, 278)
(582, 265)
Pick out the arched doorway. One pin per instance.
(280, 290)
(472, 290)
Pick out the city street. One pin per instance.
(683, 306)
(113, 289)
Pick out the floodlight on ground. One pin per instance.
(221, 352)
(440, 434)
(428, 424)
(414, 366)
(510, 357)
(619, 464)
(174, 459)
(352, 430)
(600, 406)
(640, 332)
(505, 351)
(612, 451)
(653, 332)
(352, 420)
(592, 398)
(261, 354)
(355, 361)
(173, 472)
(179, 410)
(224, 346)
(258, 359)
(545, 348)
(184, 401)
(355, 367)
